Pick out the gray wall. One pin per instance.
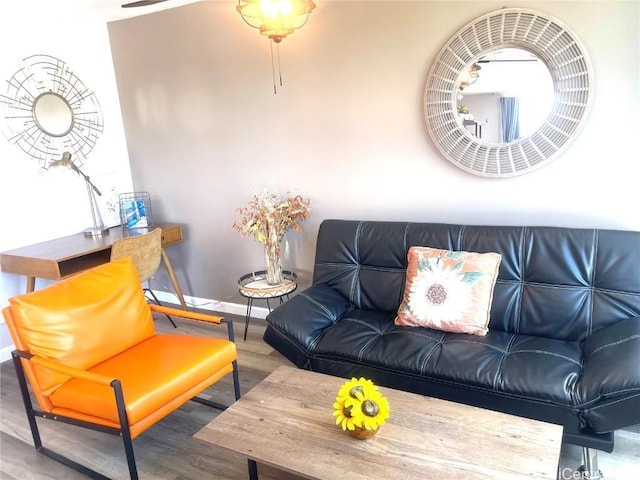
(205, 130)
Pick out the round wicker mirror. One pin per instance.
(546, 38)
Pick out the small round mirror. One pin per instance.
(53, 114)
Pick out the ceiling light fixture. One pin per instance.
(275, 19)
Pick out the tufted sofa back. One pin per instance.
(562, 283)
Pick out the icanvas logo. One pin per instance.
(569, 474)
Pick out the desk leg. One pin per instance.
(174, 280)
(31, 284)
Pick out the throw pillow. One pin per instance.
(448, 290)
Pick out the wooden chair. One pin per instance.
(145, 251)
(87, 350)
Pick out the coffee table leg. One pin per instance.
(253, 470)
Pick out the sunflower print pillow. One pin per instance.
(448, 290)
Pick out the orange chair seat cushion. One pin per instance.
(153, 374)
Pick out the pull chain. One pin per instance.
(273, 71)
(279, 70)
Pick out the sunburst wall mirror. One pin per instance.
(50, 114)
(514, 36)
(47, 111)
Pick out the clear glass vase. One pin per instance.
(273, 260)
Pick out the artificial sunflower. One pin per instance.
(359, 404)
(347, 417)
(353, 386)
(375, 410)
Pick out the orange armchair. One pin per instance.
(88, 349)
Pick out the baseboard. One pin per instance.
(213, 305)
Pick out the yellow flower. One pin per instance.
(375, 410)
(360, 404)
(354, 386)
(347, 417)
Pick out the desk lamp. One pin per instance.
(92, 190)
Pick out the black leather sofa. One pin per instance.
(564, 336)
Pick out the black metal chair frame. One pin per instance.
(123, 431)
(155, 300)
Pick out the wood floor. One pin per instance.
(168, 451)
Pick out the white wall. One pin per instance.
(36, 204)
(205, 131)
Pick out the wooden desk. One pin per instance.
(59, 258)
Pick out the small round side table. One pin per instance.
(254, 286)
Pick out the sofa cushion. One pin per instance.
(448, 290)
(523, 366)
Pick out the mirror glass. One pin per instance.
(505, 95)
(53, 114)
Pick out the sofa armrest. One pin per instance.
(308, 314)
(609, 389)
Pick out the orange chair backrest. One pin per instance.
(80, 321)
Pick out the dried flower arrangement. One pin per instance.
(267, 217)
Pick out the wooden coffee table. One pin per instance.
(287, 422)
